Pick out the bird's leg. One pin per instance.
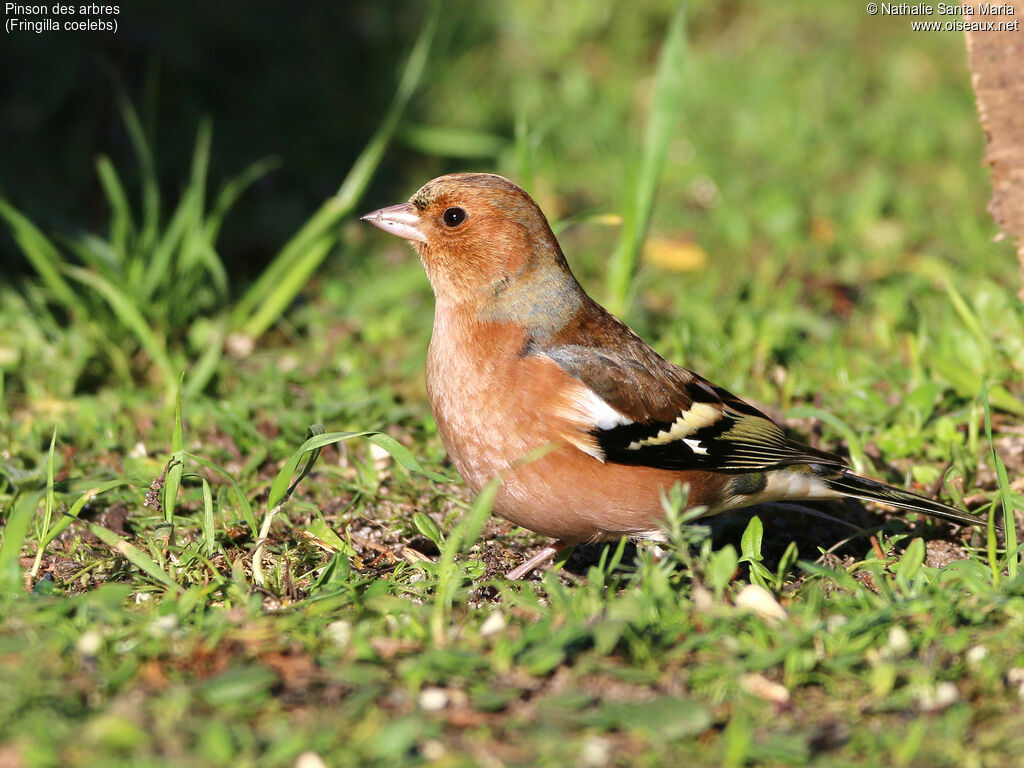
(548, 552)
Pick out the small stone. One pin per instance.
(493, 624)
(433, 699)
(380, 457)
(240, 344)
(164, 625)
(1015, 676)
(976, 654)
(310, 759)
(938, 698)
(90, 643)
(899, 640)
(835, 622)
(595, 752)
(431, 749)
(703, 600)
(765, 689)
(340, 633)
(760, 601)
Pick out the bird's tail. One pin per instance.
(866, 489)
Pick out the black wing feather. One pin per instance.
(741, 439)
(733, 435)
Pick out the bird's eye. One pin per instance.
(454, 216)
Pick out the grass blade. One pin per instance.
(317, 227)
(428, 528)
(121, 227)
(232, 189)
(175, 467)
(191, 254)
(240, 498)
(14, 536)
(366, 164)
(96, 253)
(42, 254)
(48, 511)
(75, 510)
(283, 485)
(452, 142)
(206, 366)
(1005, 497)
(461, 538)
(968, 317)
(661, 124)
(249, 315)
(858, 456)
(282, 294)
(524, 153)
(133, 555)
(156, 269)
(209, 531)
(150, 184)
(208, 263)
(403, 456)
(131, 317)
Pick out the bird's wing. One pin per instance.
(640, 409)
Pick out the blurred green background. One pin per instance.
(818, 151)
(792, 111)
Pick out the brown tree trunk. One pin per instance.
(996, 60)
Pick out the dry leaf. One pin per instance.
(675, 254)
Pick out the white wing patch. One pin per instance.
(583, 407)
(595, 410)
(694, 418)
(695, 446)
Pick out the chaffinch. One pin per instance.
(523, 361)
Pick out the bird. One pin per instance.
(584, 425)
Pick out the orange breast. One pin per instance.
(498, 414)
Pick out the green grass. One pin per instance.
(164, 292)
(281, 561)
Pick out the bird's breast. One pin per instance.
(504, 413)
(483, 395)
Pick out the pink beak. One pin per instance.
(402, 220)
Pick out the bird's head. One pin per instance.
(481, 239)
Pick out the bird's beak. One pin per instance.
(401, 220)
